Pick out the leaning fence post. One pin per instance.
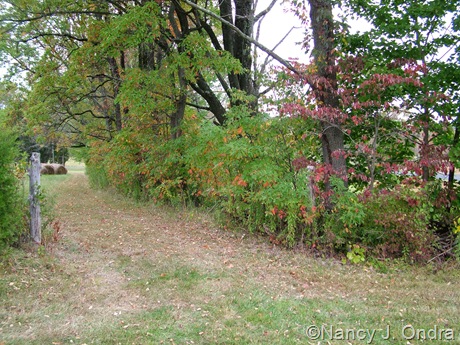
(34, 202)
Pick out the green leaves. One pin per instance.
(140, 24)
(409, 29)
(12, 209)
(413, 44)
(197, 55)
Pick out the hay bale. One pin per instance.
(47, 169)
(53, 169)
(59, 169)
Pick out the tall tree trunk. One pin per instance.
(237, 45)
(181, 101)
(425, 151)
(215, 105)
(244, 20)
(115, 74)
(332, 139)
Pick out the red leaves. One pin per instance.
(356, 120)
(294, 110)
(339, 154)
(277, 212)
(412, 202)
(378, 83)
(301, 163)
(323, 113)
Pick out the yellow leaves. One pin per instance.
(457, 226)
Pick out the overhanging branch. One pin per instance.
(270, 52)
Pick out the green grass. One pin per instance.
(125, 273)
(49, 183)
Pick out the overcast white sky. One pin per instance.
(280, 20)
(276, 25)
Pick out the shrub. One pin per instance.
(11, 202)
(400, 224)
(95, 165)
(123, 162)
(247, 168)
(389, 224)
(255, 170)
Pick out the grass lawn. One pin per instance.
(117, 272)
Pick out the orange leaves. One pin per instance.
(304, 214)
(277, 212)
(308, 217)
(238, 181)
(233, 133)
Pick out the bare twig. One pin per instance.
(448, 251)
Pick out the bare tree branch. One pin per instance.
(264, 12)
(267, 59)
(51, 34)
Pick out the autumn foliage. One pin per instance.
(350, 150)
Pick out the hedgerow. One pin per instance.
(262, 174)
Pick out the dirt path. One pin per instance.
(107, 243)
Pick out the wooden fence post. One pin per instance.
(34, 191)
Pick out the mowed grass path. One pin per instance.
(123, 273)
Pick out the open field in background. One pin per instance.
(117, 272)
(75, 167)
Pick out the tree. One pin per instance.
(63, 98)
(416, 38)
(325, 85)
(323, 103)
(92, 46)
